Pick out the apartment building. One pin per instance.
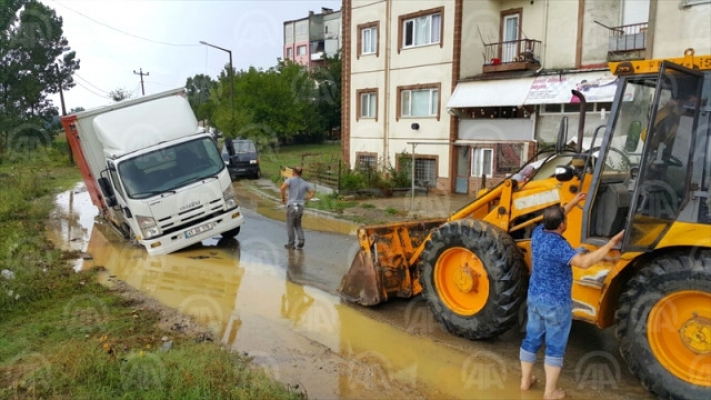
(308, 40)
(475, 88)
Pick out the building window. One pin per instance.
(366, 161)
(367, 103)
(421, 28)
(301, 51)
(482, 162)
(419, 101)
(425, 170)
(368, 38)
(289, 53)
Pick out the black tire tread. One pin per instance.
(674, 271)
(508, 277)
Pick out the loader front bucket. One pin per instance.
(385, 265)
(360, 285)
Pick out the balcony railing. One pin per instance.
(628, 38)
(512, 55)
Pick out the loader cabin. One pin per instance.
(653, 165)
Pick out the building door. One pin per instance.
(463, 173)
(510, 37)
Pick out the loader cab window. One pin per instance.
(666, 173)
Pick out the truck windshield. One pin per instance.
(170, 168)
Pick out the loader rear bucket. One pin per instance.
(385, 265)
(360, 284)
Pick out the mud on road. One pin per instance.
(280, 309)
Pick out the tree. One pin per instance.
(119, 94)
(35, 60)
(328, 99)
(199, 88)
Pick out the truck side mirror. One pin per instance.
(108, 191)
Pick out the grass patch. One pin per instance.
(271, 159)
(367, 206)
(66, 336)
(331, 203)
(391, 211)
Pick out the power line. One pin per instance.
(89, 83)
(124, 32)
(91, 91)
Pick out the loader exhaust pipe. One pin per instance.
(581, 119)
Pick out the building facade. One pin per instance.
(475, 88)
(308, 40)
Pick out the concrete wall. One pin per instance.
(680, 28)
(595, 40)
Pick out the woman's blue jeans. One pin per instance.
(549, 322)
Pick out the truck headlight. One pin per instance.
(230, 198)
(148, 226)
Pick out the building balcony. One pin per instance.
(513, 55)
(627, 42)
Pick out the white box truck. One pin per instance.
(153, 173)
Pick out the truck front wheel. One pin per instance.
(664, 326)
(474, 278)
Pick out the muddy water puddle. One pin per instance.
(301, 335)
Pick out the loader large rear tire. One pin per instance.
(473, 278)
(664, 326)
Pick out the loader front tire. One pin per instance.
(664, 325)
(473, 278)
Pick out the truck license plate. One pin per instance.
(200, 229)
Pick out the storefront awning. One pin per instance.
(495, 93)
(597, 86)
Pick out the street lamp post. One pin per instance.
(232, 91)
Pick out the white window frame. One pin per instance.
(366, 162)
(369, 40)
(478, 158)
(509, 50)
(368, 104)
(299, 51)
(289, 53)
(434, 28)
(406, 102)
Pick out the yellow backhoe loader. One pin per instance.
(650, 175)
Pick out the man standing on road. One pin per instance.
(549, 295)
(299, 192)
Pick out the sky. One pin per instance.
(116, 39)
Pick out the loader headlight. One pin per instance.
(148, 226)
(230, 198)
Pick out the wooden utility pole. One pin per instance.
(143, 91)
(64, 108)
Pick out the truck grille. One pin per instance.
(190, 217)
